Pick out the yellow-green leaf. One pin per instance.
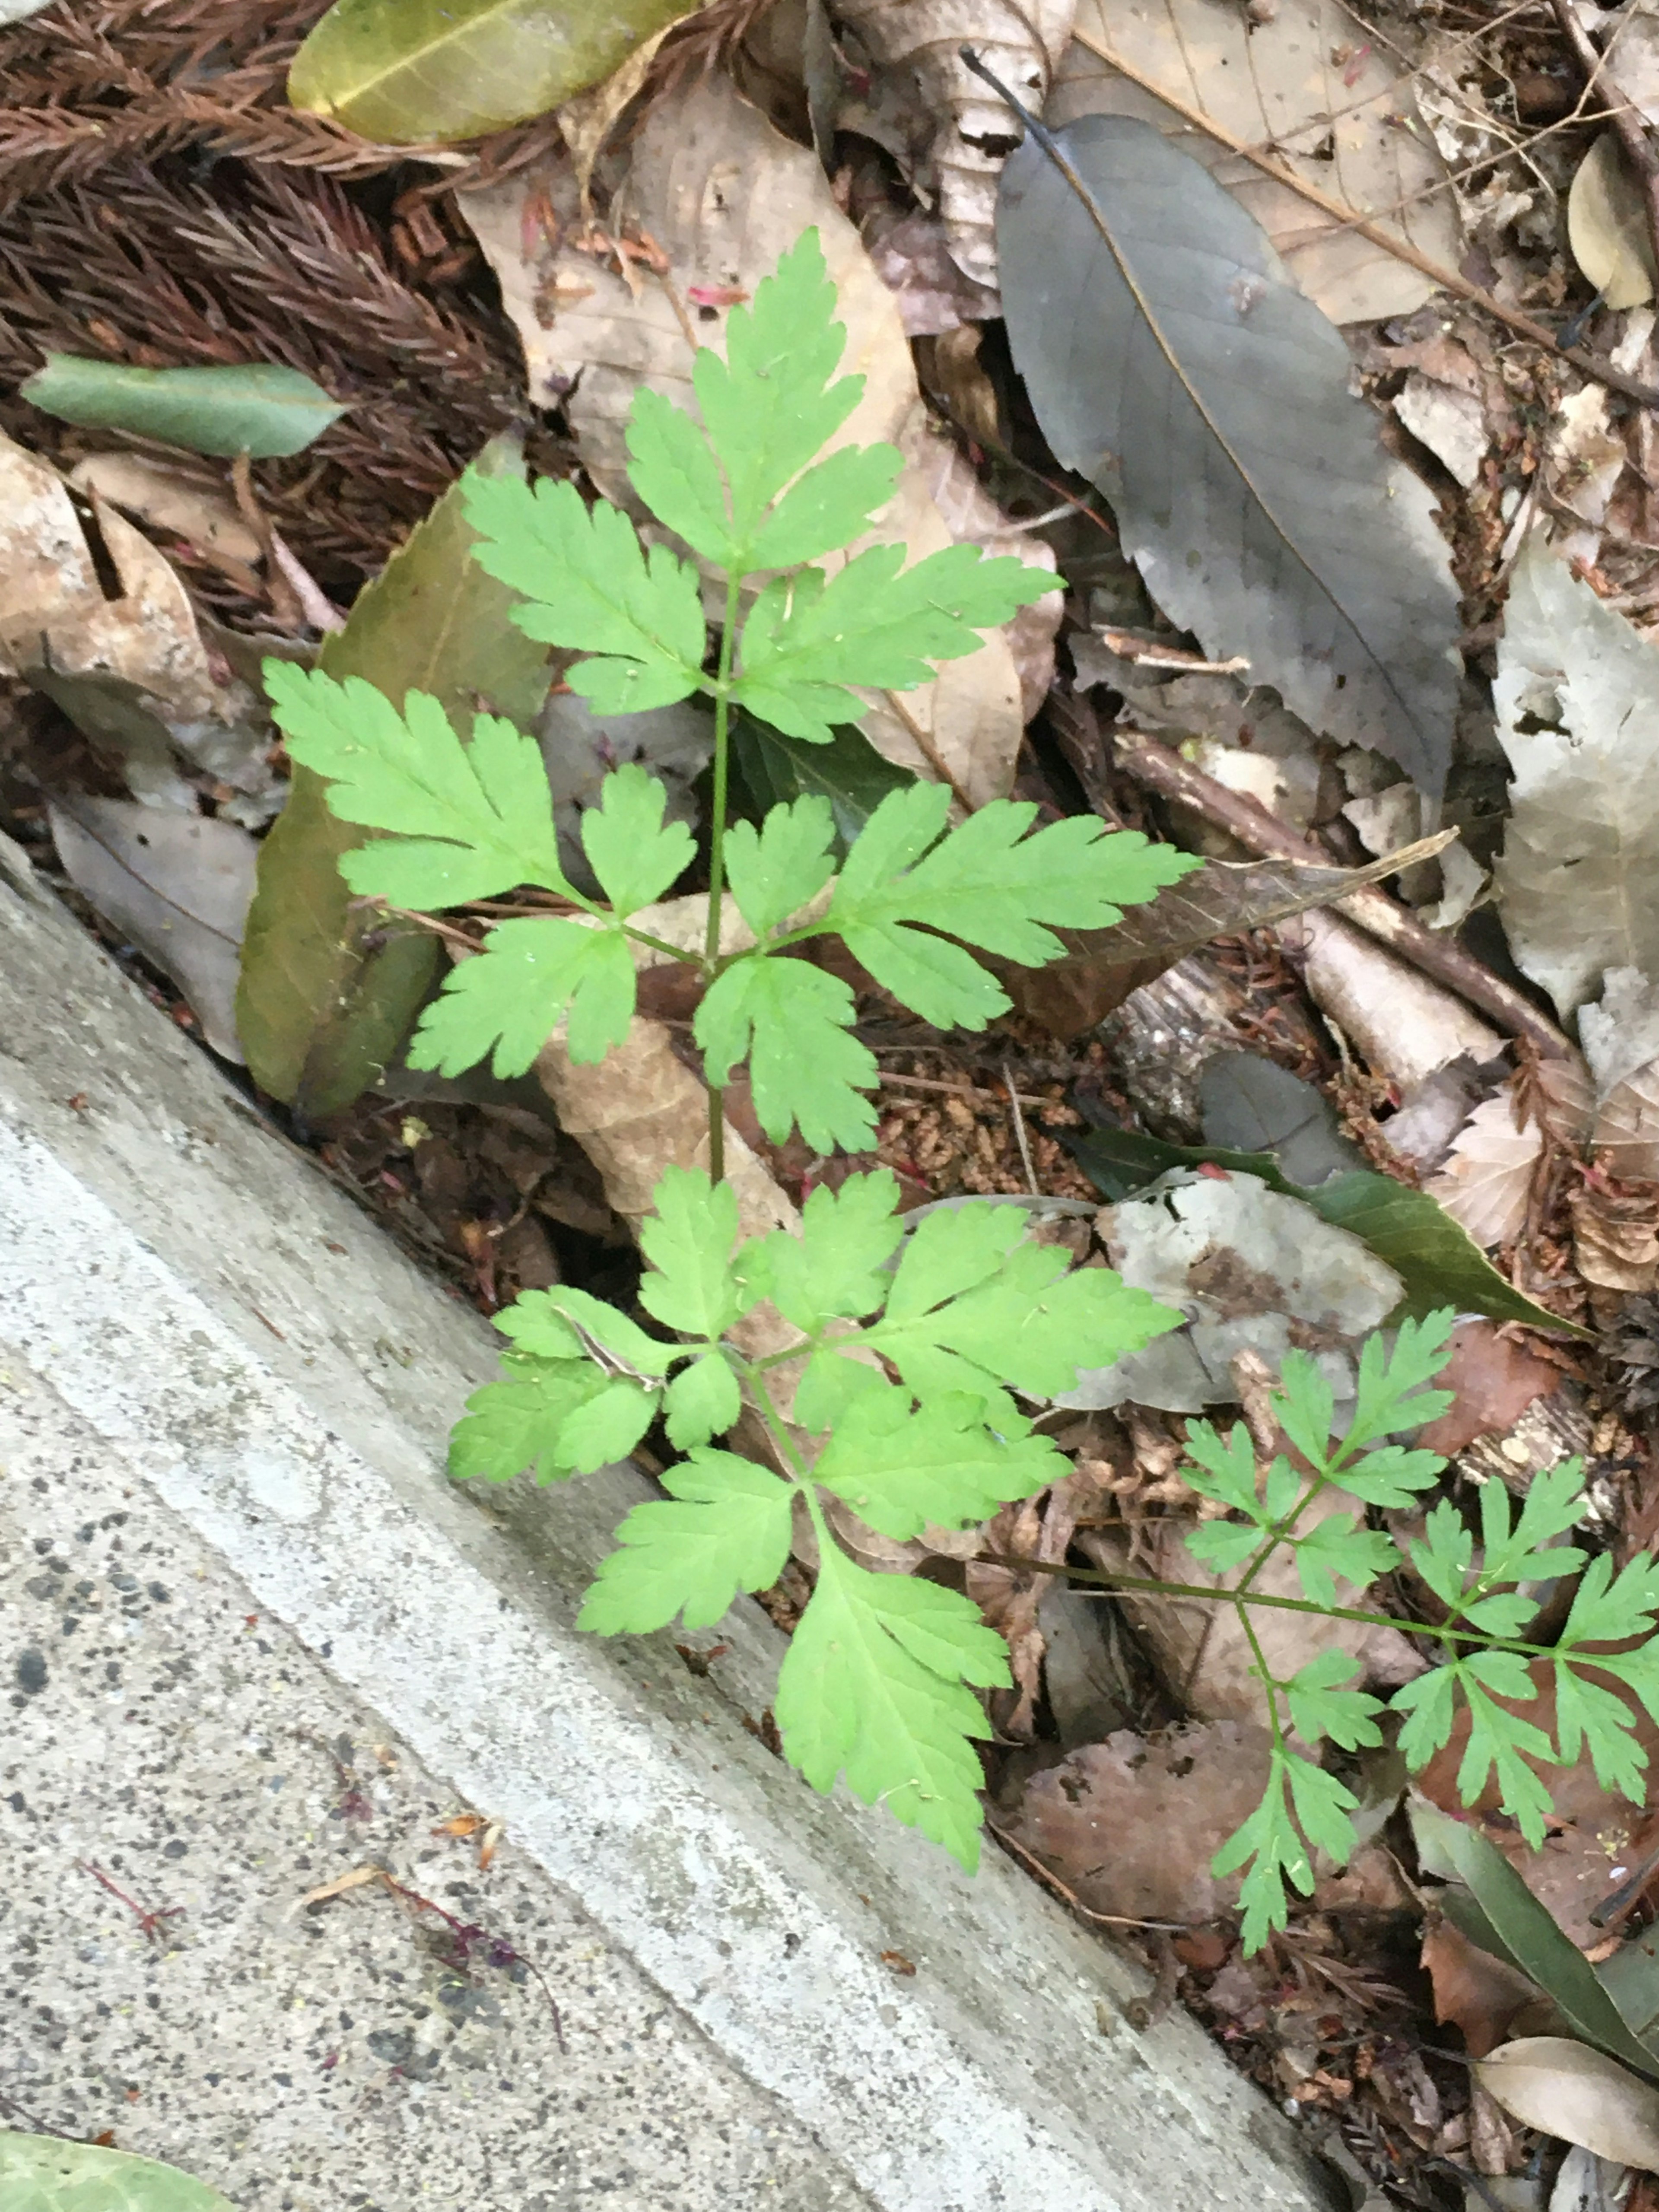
(44, 2173)
(411, 71)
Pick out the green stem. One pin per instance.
(1240, 1607)
(711, 948)
(661, 944)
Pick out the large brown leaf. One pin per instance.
(1170, 360)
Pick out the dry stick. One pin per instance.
(1263, 834)
(1448, 280)
(1623, 119)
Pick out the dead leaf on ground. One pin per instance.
(173, 497)
(1607, 228)
(721, 194)
(1131, 1824)
(179, 885)
(1494, 1377)
(1565, 2089)
(1308, 85)
(131, 671)
(1039, 1527)
(1482, 1996)
(1485, 1179)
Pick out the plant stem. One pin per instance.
(711, 948)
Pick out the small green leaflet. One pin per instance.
(703, 1400)
(1271, 1841)
(636, 854)
(872, 1685)
(988, 882)
(806, 1070)
(836, 1268)
(1321, 1706)
(724, 1527)
(1390, 1393)
(470, 820)
(1336, 1546)
(518, 1422)
(777, 868)
(590, 587)
(688, 1239)
(901, 1470)
(509, 1000)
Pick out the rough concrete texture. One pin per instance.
(187, 1305)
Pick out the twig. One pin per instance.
(1633, 137)
(958, 1090)
(1373, 910)
(1031, 1183)
(1448, 280)
(148, 1922)
(1128, 646)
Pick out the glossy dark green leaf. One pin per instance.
(262, 409)
(848, 772)
(330, 991)
(44, 2174)
(408, 72)
(1172, 361)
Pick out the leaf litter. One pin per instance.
(682, 194)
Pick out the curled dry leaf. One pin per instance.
(720, 194)
(1565, 2089)
(177, 885)
(1165, 351)
(1308, 83)
(1607, 228)
(942, 122)
(131, 671)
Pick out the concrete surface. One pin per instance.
(190, 1313)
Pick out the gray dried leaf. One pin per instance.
(1606, 227)
(1565, 2089)
(1171, 361)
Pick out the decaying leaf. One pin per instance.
(170, 498)
(432, 70)
(177, 885)
(1578, 701)
(330, 989)
(1607, 228)
(1171, 360)
(947, 129)
(263, 408)
(1131, 1826)
(848, 772)
(131, 671)
(1451, 423)
(1487, 1175)
(1494, 1377)
(721, 194)
(1303, 80)
(1100, 968)
(1482, 1996)
(1566, 2089)
(1621, 1043)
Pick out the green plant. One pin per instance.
(877, 1364)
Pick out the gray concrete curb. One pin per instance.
(203, 1300)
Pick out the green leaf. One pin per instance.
(1226, 1470)
(901, 1470)
(808, 638)
(703, 1400)
(688, 1239)
(836, 1268)
(1335, 1546)
(828, 1388)
(1501, 1742)
(1268, 1844)
(260, 408)
(1605, 1611)
(1443, 1556)
(45, 2173)
(434, 70)
(672, 465)
(1390, 1392)
(1586, 1715)
(1430, 1704)
(636, 854)
(1304, 1406)
(1224, 1545)
(806, 1070)
(1391, 1476)
(590, 587)
(1553, 1504)
(518, 1422)
(872, 1685)
(847, 770)
(330, 990)
(988, 882)
(1320, 1706)
(606, 1426)
(470, 820)
(509, 1000)
(829, 506)
(776, 870)
(538, 1329)
(612, 1331)
(724, 1527)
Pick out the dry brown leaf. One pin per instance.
(1494, 1377)
(948, 131)
(1131, 1826)
(170, 498)
(340, 1885)
(721, 194)
(1449, 420)
(1480, 1995)
(1565, 2089)
(1307, 85)
(131, 671)
(1487, 1175)
(1615, 1235)
(1039, 1527)
(1607, 228)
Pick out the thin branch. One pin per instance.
(1371, 909)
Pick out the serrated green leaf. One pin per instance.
(1226, 1470)
(827, 507)
(1501, 1743)
(1430, 1704)
(636, 854)
(776, 870)
(808, 638)
(836, 1268)
(724, 1529)
(1268, 1845)
(606, 1427)
(1604, 1611)
(672, 465)
(538, 1329)
(1336, 1547)
(1554, 1502)
(505, 1003)
(950, 1250)
(872, 1685)
(590, 587)
(259, 408)
(1391, 1476)
(902, 1469)
(612, 1331)
(703, 1400)
(688, 1239)
(1588, 1716)
(1304, 1405)
(1443, 1555)
(49, 2173)
(1390, 1392)
(470, 820)
(806, 1070)
(828, 1388)
(1320, 1706)
(1224, 1545)
(518, 1422)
